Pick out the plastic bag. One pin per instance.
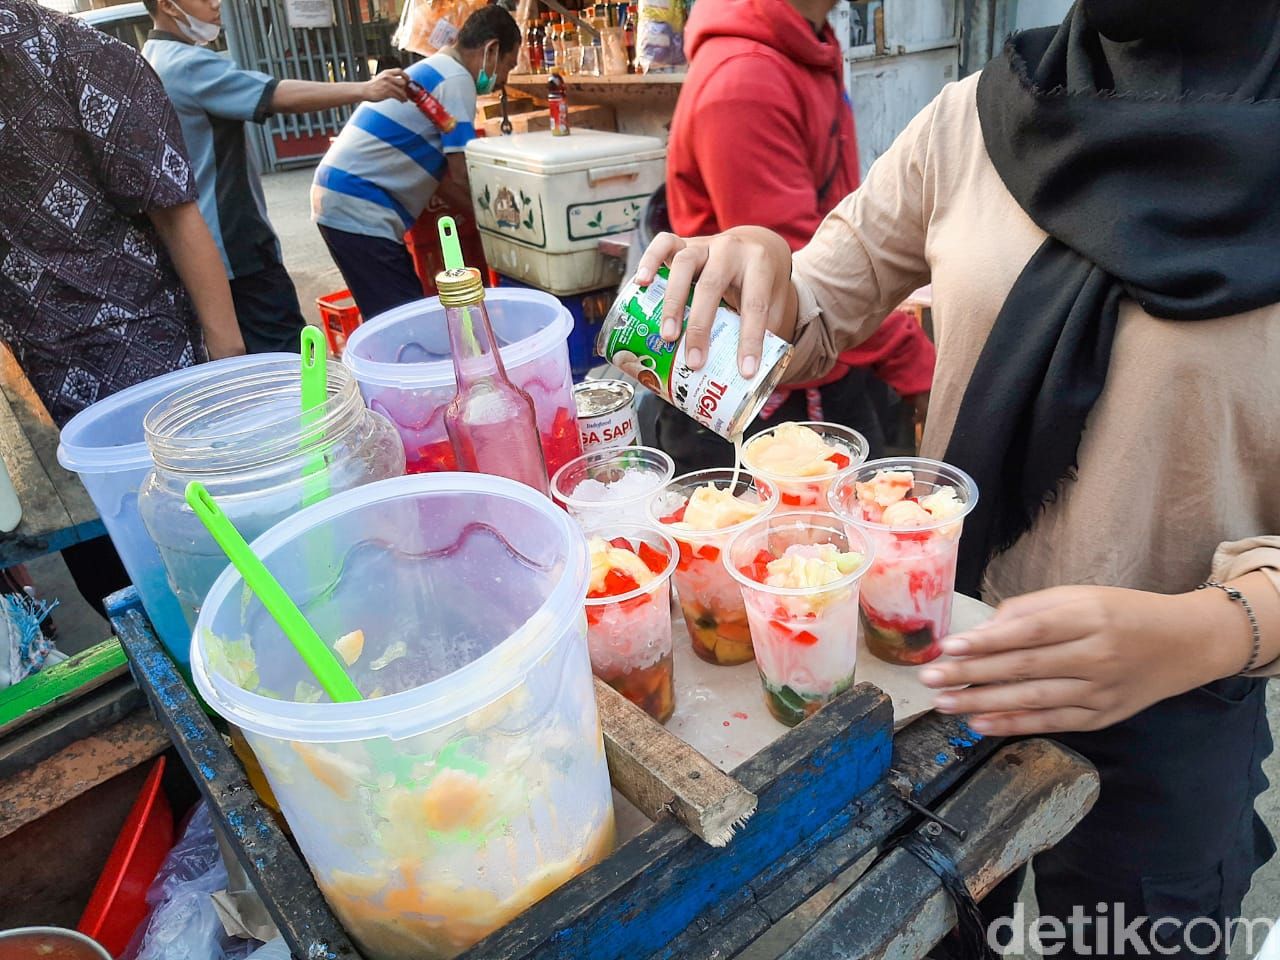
(660, 36)
(183, 924)
(428, 25)
(24, 648)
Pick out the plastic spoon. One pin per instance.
(319, 659)
(315, 393)
(452, 250)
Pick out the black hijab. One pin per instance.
(1144, 137)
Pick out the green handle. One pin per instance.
(449, 243)
(315, 393)
(318, 657)
(315, 374)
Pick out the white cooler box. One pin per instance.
(543, 202)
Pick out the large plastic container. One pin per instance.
(544, 202)
(401, 360)
(106, 445)
(246, 439)
(472, 781)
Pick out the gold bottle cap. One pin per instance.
(461, 287)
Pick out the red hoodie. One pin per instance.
(763, 134)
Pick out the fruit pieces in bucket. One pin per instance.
(799, 574)
(629, 615)
(913, 511)
(803, 459)
(702, 511)
(561, 442)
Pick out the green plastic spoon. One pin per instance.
(449, 244)
(315, 393)
(319, 659)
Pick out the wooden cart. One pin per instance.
(804, 878)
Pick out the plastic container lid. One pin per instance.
(373, 351)
(108, 436)
(545, 153)
(432, 704)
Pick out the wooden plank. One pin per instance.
(56, 509)
(31, 793)
(273, 866)
(934, 753)
(76, 676)
(74, 720)
(658, 884)
(1024, 801)
(660, 773)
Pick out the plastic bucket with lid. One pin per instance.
(106, 445)
(471, 781)
(401, 360)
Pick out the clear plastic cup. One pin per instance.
(471, 781)
(629, 634)
(710, 599)
(848, 449)
(615, 485)
(907, 594)
(805, 638)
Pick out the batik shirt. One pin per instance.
(89, 301)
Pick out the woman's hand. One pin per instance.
(748, 267)
(1083, 658)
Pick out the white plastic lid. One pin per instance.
(545, 153)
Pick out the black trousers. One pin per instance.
(267, 309)
(858, 401)
(378, 272)
(1173, 837)
(96, 569)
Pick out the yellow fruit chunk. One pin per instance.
(456, 800)
(710, 508)
(349, 646)
(791, 450)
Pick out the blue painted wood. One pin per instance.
(273, 866)
(654, 887)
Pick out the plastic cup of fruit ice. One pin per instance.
(913, 511)
(609, 486)
(629, 614)
(803, 460)
(799, 574)
(703, 511)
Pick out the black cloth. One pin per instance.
(1152, 164)
(378, 272)
(1174, 833)
(267, 310)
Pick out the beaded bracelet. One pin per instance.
(1255, 632)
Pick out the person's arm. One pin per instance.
(195, 257)
(1084, 658)
(455, 188)
(305, 96)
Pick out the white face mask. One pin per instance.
(196, 30)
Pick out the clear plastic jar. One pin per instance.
(246, 440)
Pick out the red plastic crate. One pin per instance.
(340, 315)
(119, 900)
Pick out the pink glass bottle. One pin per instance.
(491, 422)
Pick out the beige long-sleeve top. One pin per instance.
(1180, 455)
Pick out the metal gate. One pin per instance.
(260, 38)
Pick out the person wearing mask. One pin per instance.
(107, 271)
(778, 63)
(215, 99)
(381, 171)
(1098, 215)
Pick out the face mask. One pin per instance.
(486, 81)
(196, 30)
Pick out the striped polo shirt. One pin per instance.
(381, 170)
